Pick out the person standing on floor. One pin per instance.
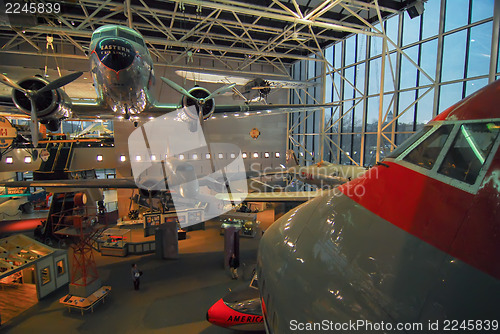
(136, 276)
(234, 263)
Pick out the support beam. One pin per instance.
(162, 41)
(494, 41)
(262, 11)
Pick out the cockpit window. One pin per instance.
(407, 143)
(469, 151)
(108, 33)
(427, 152)
(131, 37)
(250, 306)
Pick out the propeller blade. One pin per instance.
(9, 82)
(178, 88)
(59, 82)
(220, 91)
(34, 123)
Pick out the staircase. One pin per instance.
(57, 165)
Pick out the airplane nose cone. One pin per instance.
(116, 54)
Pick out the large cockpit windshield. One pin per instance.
(407, 143)
(122, 32)
(109, 32)
(469, 151)
(458, 151)
(427, 152)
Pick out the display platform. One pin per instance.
(85, 304)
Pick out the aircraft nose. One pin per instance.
(116, 54)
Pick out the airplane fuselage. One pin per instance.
(122, 69)
(412, 244)
(326, 175)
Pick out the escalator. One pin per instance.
(57, 165)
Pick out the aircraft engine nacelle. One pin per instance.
(200, 92)
(52, 106)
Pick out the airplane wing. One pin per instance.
(8, 108)
(127, 183)
(290, 196)
(225, 76)
(242, 110)
(84, 109)
(270, 108)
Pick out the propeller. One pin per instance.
(9, 82)
(220, 91)
(33, 121)
(199, 101)
(59, 82)
(178, 88)
(32, 95)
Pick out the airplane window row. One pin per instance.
(196, 156)
(27, 159)
(461, 159)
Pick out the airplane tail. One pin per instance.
(291, 159)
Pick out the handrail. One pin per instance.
(69, 157)
(57, 156)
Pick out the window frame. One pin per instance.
(46, 268)
(433, 172)
(63, 261)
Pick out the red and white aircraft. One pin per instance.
(411, 245)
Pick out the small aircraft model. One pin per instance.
(411, 245)
(123, 74)
(239, 309)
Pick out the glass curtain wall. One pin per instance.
(431, 62)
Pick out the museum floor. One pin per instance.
(174, 294)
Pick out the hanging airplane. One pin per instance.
(123, 75)
(411, 245)
(254, 88)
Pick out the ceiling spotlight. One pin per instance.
(99, 157)
(9, 160)
(415, 9)
(27, 160)
(123, 158)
